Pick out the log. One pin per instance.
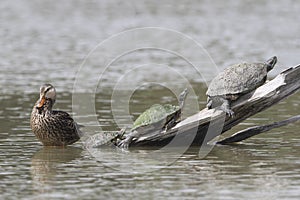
(205, 125)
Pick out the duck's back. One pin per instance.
(55, 128)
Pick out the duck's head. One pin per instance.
(47, 92)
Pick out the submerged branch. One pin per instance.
(252, 131)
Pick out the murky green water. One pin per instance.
(47, 42)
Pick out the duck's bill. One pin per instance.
(41, 103)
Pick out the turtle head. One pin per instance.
(271, 63)
(182, 97)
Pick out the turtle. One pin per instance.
(157, 117)
(105, 138)
(235, 81)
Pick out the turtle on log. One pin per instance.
(235, 81)
(157, 117)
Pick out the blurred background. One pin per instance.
(46, 41)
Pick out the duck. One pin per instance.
(52, 127)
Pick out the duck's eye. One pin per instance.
(47, 90)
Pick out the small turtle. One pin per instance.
(235, 81)
(105, 138)
(157, 117)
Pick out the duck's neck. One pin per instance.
(47, 107)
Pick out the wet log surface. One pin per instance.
(207, 124)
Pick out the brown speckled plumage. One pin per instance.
(52, 128)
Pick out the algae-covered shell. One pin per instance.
(160, 113)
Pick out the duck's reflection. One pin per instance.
(45, 165)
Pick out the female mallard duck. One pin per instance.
(52, 127)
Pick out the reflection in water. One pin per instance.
(44, 165)
(237, 167)
(137, 160)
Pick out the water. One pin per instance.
(47, 42)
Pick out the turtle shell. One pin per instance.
(155, 114)
(238, 79)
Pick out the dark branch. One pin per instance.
(252, 131)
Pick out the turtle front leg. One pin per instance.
(170, 124)
(213, 102)
(226, 107)
(126, 142)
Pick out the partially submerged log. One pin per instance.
(207, 124)
(255, 130)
